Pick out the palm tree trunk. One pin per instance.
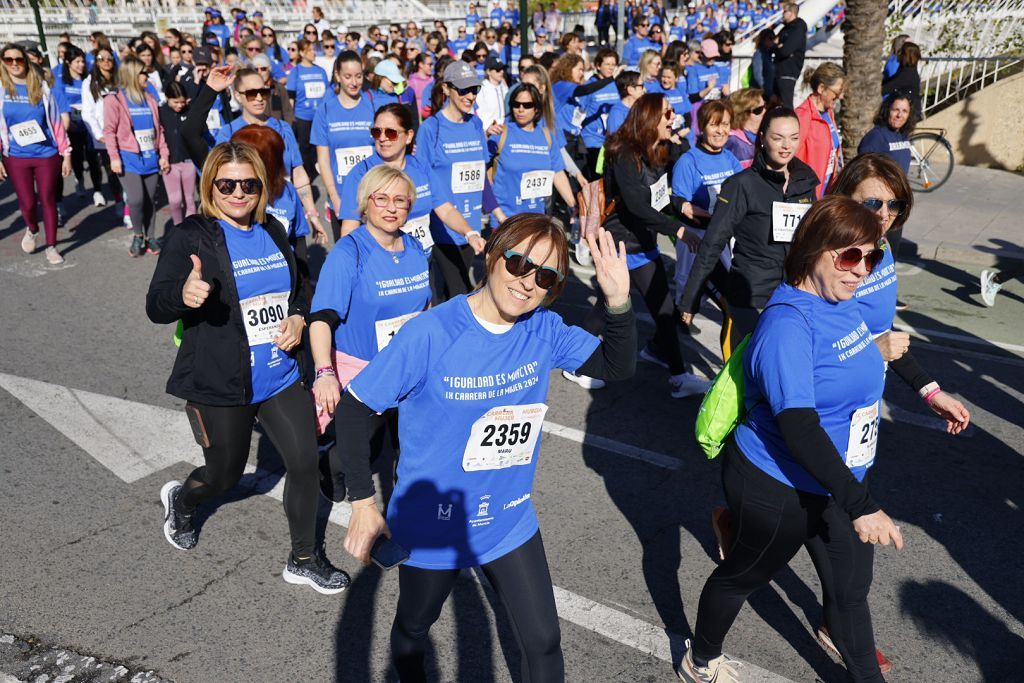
(863, 56)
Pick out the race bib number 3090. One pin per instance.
(503, 437)
(263, 315)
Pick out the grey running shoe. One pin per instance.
(317, 572)
(721, 669)
(989, 287)
(138, 247)
(178, 528)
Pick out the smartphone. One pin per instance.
(387, 554)
(195, 419)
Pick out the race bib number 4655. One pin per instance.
(28, 133)
(505, 436)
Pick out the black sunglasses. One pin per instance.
(471, 90)
(226, 186)
(895, 206)
(757, 111)
(307, 32)
(520, 264)
(848, 259)
(388, 133)
(524, 105)
(252, 93)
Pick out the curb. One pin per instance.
(959, 253)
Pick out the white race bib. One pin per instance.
(860, 450)
(146, 139)
(28, 133)
(420, 229)
(387, 329)
(504, 437)
(347, 157)
(578, 116)
(659, 193)
(785, 217)
(713, 192)
(314, 89)
(263, 315)
(467, 176)
(213, 120)
(678, 122)
(536, 184)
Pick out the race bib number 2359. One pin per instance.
(503, 437)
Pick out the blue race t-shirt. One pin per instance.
(527, 164)
(346, 132)
(616, 115)
(877, 295)
(287, 209)
(697, 176)
(147, 159)
(310, 85)
(698, 75)
(471, 406)
(680, 104)
(418, 222)
(292, 155)
(595, 108)
(830, 170)
(890, 142)
(635, 48)
(456, 154)
(568, 114)
(809, 353)
(653, 86)
(263, 283)
(28, 132)
(374, 292)
(69, 98)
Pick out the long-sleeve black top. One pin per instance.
(629, 182)
(789, 52)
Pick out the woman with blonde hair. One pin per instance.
(821, 146)
(229, 274)
(748, 109)
(35, 147)
(138, 151)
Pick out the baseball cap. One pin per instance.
(257, 13)
(709, 47)
(541, 31)
(213, 12)
(201, 55)
(388, 70)
(461, 75)
(494, 64)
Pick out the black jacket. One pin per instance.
(170, 121)
(634, 221)
(212, 366)
(744, 211)
(906, 81)
(789, 53)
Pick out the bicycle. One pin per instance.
(931, 159)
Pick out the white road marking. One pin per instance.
(980, 341)
(106, 428)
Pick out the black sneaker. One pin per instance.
(138, 247)
(178, 529)
(152, 246)
(317, 572)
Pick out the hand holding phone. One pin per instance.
(387, 554)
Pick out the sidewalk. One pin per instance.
(977, 217)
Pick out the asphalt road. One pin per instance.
(623, 494)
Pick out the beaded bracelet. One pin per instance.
(326, 370)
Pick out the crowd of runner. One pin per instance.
(437, 152)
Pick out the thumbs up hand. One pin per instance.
(195, 291)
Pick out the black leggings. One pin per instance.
(523, 583)
(103, 161)
(450, 266)
(651, 281)
(288, 420)
(770, 523)
(302, 130)
(80, 153)
(1007, 274)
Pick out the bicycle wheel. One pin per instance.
(931, 161)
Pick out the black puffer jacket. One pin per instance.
(212, 366)
(744, 211)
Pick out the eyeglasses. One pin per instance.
(254, 48)
(757, 111)
(524, 105)
(263, 68)
(402, 202)
(394, 30)
(268, 35)
(848, 259)
(471, 90)
(253, 93)
(328, 46)
(98, 59)
(11, 61)
(292, 49)
(670, 115)
(481, 55)
(520, 264)
(387, 133)
(226, 186)
(309, 32)
(895, 206)
(185, 50)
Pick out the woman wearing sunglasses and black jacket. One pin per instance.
(229, 274)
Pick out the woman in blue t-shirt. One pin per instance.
(470, 381)
(894, 123)
(34, 146)
(307, 85)
(527, 161)
(242, 306)
(375, 280)
(138, 151)
(68, 89)
(794, 468)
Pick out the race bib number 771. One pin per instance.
(503, 437)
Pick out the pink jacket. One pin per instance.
(118, 132)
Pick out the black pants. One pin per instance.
(651, 281)
(288, 420)
(602, 35)
(770, 523)
(784, 88)
(523, 583)
(591, 168)
(450, 270)
(1010, 273)
(103, 161)
(739, 322)
(302, 129)
(80, 153)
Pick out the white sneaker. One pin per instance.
(721, 669)
(583, 254)
(685, 384)
(53, 256)
(584, 381)
(29, 242)
(97, 199)
(989, 287)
